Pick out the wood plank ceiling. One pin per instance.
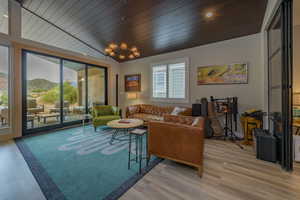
(155, 27)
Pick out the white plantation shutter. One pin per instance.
(176, 81)
(159, 81)
(170, 81)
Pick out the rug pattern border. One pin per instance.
(48, 187)
(51, 190)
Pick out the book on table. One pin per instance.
(124, 121)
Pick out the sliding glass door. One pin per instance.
(42, 91)
(280, 82)
(57, 92)
(96, 86)
(74, 90)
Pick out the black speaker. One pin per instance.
(196, 109)
(266, 145)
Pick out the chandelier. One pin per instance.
(122, 51)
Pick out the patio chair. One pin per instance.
(33, 108)
(4, 116)
(56, 109)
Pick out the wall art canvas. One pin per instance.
(133, 83)
(223, 74)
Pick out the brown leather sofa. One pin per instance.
(147, 112)
(177, 138)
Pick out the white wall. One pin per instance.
(296, 59)
(245, 49)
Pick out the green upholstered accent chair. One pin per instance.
(103, 114)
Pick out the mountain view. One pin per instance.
(40, 85)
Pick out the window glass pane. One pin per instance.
(4, 16)
(275, 66)
(73, 90)
(275, 74)
(4, 86)
(96, 86)
(275, 36)
(159, 76)
(177, 80)
(43, 90)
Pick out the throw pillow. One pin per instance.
(196, 121)
(132, 109)
(177, 110)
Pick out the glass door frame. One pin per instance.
(61, 123)
(285, 10)
(6, 43)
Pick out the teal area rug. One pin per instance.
(78, 163)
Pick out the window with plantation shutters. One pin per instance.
(159, 81)
(176, 81)
(170, 81)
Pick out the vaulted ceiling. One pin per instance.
(154, 26)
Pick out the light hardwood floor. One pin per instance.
(16, 179)
(229, 173)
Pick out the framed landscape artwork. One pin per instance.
(133, 83)
(223, 74)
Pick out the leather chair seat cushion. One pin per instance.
(186, 120)
(147, 117)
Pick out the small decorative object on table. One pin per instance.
(124, 121)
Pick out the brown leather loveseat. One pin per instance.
(178, 138)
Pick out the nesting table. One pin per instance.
(123, 126)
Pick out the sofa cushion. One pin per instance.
(133, 109)
(196, 121)
(103, 110)
(155, 110)
(106, 118)
(177, 110)
(147, 109)
(147, 117)
(186, 120)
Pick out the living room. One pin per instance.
(148, 100)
